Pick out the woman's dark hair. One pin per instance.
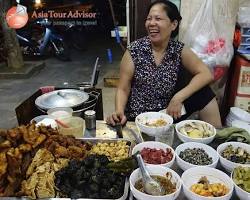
(171, 11)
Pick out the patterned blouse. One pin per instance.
(152, 86)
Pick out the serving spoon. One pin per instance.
(151, 186)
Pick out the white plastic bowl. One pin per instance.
(242, 194)
(238, 113)
(157, 145)
(193, 175)
(186, 165)
(186, 138)
(143, 118)
(154, 170)
(227, 164)
(46, 120)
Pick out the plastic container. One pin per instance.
(60, 112)
(90, 119)
(71, 126)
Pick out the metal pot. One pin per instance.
(78, 100)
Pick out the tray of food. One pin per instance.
(38, 162)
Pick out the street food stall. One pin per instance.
(63, 149)
(39, 161)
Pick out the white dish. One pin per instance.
(47, 122)
(157, 145)
(227, 164)
(193, 175)
(155, 170)
(186, 165)
(186, 138)
(149, 117)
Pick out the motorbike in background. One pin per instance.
(48, 42)
(75, 35)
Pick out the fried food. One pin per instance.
(3, 133)
(42, 156)
(62, 146)
(41, 175)
(59, 164)
(5, 144)
(76, 152)
(24, 148)
(3, 165)
(61, 152)
(24, 169)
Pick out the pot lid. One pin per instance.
(61, 98)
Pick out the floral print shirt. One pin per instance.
(152, 86)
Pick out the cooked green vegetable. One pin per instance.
(234, 134)
(241, 177)
(125, 166)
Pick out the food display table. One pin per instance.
(102, 129)
(102, 126)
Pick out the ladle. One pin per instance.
(151, 186)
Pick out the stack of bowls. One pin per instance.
(237, 114)
(241, 124)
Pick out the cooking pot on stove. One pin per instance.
(78, 100)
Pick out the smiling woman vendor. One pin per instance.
(149, 71)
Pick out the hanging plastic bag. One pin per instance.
(214, 48)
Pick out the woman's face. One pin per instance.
(158, 24)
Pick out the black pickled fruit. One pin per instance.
(90, 178)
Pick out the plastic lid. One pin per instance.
(60, 112)
(89, 112)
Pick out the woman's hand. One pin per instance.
(117, 117)
(174, 107)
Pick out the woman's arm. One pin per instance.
(201, 77)
(123, 89)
